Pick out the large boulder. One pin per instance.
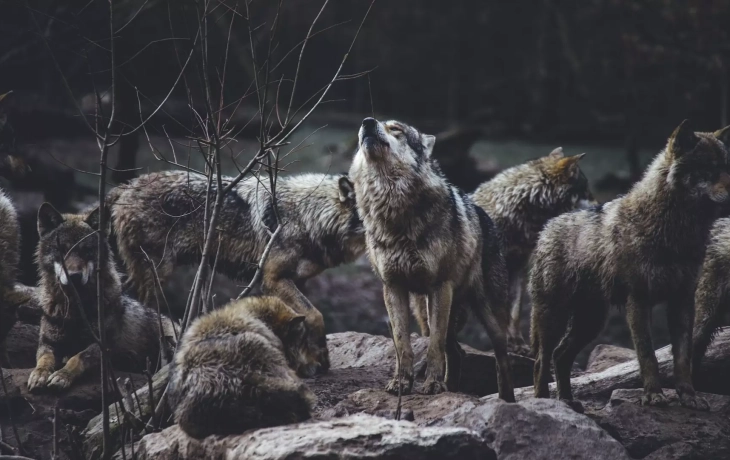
(604, 356)
(685, 433)
(356, 437)
(536, 429)
(22, 344)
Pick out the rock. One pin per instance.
(22, 344)
(356, 437)
(422, 409)
(536, 429)
(595, 388)
(646, 430)
(677, 451)
(604, 356)
(349, 350)
(93, 434)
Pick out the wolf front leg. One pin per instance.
(45, 365)
(75, 367)
(680, 317)
(287, 290)
(396, 302)
(638, 315)
(439, 312)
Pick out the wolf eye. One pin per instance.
(396, 131)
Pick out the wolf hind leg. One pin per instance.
(517, 292)
(711, 302)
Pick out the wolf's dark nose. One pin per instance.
(75, 278)
(369, 123)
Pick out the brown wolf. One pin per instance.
(162, 214)
(234, 369)
(713, 290)
(520, 200)
(637, 250)
(66, 257)
(426, 237)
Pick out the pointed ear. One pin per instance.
(48, 219)
(92, 219)
(682, 140)
(723, 135)
(557, 153)
(346, 189)
(428, 142)
(296, 325)
(568, 167)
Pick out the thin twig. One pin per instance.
(262, 261)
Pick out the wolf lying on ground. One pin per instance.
(66, 257)
(233, 370)
(425, 237)
(637, 250)
(162, 214)
(521, 200)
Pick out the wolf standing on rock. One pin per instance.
(637, 250)
(162, 214)
(66, 257)
(234, 369)
(425, 237)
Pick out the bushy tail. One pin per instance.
(231, 406)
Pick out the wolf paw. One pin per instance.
(654, 398)
(433, 387)
(59, 380)
(575, 405)
(38, 379)
(694, 402)
(405, 386)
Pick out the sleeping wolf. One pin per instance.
(426, 237)
(234, 369)
(162, 214)
(66, 257)
(637, 250)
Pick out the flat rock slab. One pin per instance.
(421, 409)
(356, 437)
(645, 430)
(536, 429)
(604, 356)
(357, 350)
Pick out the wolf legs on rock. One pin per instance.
(517, 289)
(439, 310)
(680, 317)
(710, 302)
(396, 302)
(638, 315)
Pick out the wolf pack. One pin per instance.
(441, 254)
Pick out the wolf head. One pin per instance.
(564, 181)
(67, 240)
(699, 162)
(394, 145)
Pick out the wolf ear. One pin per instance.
(557, 153)
(92, 220)
(682, 140)
(428, 142)
(568, 167)
(48, 219)
(297, 325)
(723, 135)
(346, 189)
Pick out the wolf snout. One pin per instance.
(369, 124)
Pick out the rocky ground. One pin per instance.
(354, 418)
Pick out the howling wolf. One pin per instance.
(426, 237)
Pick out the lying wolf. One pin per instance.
(66, 257)
(234, 369)
(426, 237)
(638, 250)
(162, 215)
